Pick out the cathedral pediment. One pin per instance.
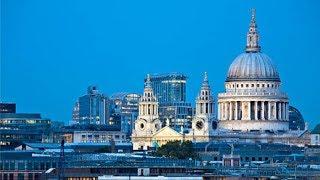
(167, 132)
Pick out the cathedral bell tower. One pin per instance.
(147, 123)
(204, 121)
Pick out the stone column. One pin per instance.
(225, 111)
(236, 111)
(219, 111)
(274, 112)
(203, 108)
(249, 110)
(280, 111)
(262, 110)
(143, 110)
(269, 110)
(230, 110)
(287, 111)
(256, 110)
(284, 110)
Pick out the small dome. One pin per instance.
(252, 66)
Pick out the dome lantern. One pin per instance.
(252, 35)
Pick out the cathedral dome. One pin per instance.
(252, 66)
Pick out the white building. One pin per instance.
(204, 122)
(98, 136)
(253, 100)
(148, 132)
(147, 123)
(252, 109)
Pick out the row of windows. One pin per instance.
(27, 165)
(20, 176)
(253, 85)
(245, 159)
(96, 136)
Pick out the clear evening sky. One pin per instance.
(51, 50)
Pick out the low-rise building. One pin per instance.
(315, 135)
(98, 136)
(16, 128)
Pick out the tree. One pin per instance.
(177, 149)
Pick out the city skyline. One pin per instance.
(195, 45)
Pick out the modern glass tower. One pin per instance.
(170, 91)
(93, 107)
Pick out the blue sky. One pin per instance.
(52, 50)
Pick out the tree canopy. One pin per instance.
(177, 149)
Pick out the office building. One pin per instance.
(170, 91)
(124, 108)
(92, 108)
(16, 128)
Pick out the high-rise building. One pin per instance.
(170, 87)
(125, 108)
(170, 91)
(93, 108)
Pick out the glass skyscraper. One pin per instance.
(92, 108)
(170, 90)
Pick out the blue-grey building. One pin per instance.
(125, 110)
(170, 91)
(92, 108)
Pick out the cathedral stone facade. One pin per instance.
(148, 132)
(148, 122)
(204, 122)
(252, 109)
(253, 100)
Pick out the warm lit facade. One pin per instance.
(253, 100)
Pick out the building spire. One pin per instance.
(252, 35)
(148, 81)
(205, 82)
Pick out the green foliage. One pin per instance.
(177, 149)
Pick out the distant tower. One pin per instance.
(75, 114)
(148, 120)
(204, 122)
(93, 108)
